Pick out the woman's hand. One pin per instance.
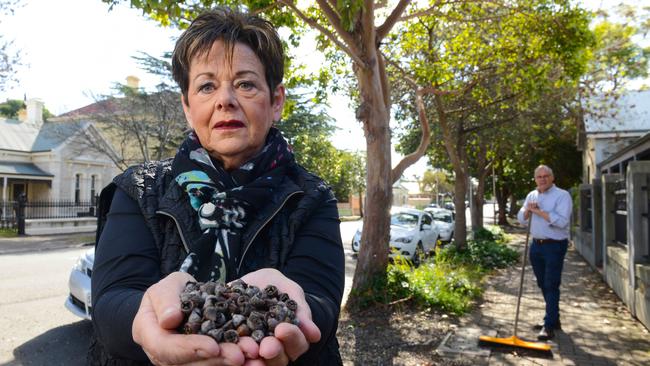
(155, 324)
(290, 341)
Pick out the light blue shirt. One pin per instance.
(557, 203)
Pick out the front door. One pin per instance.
(18, 189)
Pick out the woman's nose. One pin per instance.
(225, 98)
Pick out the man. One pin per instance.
(548, 208)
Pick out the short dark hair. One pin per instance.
(230, 26)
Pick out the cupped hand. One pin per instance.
(290, 341)
(155, 324)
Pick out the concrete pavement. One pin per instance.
(597, 328)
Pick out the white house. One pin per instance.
(51, 161)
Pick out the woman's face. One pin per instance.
(229, 105)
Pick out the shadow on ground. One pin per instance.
(65, 345)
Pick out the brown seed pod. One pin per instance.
(230, 336)
(257, 335)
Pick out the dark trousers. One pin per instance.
(547, 260)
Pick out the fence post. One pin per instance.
(20, 213)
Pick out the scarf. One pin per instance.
(226, 201)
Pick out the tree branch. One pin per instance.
(350, 49)
(368, 24)
(413, 157)
(394, 16)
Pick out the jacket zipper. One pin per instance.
(241, 260)
(180, 232)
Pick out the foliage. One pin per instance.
(451, 281)
(11, 107)
(8, 233)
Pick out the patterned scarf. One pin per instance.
(226, 201)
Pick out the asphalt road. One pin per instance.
(36, 328)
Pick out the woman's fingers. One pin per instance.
(293, 340)
(165, 299)
(273, 352)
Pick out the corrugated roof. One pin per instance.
(21, 136)
(631, 112)
(20, 168)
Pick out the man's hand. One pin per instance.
(154, 328)
(290, 341)
(534, 208)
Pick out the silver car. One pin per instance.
(79, 300)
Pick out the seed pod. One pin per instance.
(243, 330)
(252, 291)
(207, 326)
(271, 323)
(187, 306)
(271, 291)
(257, 335)
(191, 327)
(255, 323)
(283, 297)
(208, 287)
(220, 320)
(191, 286)
(238, 319)
(216, 334)
(230, 336)
(210, 313)
(221, 306)
(258, 303)
(291, 305)
(195, 316)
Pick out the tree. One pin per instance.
(492, 61)
(435, 183)
(11, 107)
(9, 58)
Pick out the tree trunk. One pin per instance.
(361, 202)
(502, 200)
(479, 197)
(514, 208)
(460, 226)
(373, 254)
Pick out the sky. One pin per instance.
(73, 50)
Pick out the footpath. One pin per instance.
(597, 329)
(27, 244)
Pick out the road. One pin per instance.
(37, 329)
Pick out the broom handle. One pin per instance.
(523, 271)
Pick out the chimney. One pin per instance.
(132, 82)
(35, 112)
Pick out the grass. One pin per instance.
(8, 233)
(451, 281)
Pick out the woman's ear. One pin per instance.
(279, 98)
(186, 110)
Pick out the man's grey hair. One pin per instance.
(544, 167)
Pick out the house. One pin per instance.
(51, 161)
(613, 213)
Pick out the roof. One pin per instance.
(22, 136)
(631, 112)
(20, 168)
(102, 106)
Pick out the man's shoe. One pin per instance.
(546, 334)
(539, 326)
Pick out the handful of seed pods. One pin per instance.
(227, 312)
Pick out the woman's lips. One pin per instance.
(229, 125)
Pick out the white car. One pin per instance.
(412, 234)
(445, 221)
(79, 300)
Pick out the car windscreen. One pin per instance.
(404, 219)
(442, 216)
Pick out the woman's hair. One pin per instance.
(230, 26)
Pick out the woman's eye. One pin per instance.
(206, 88)
(245, 85)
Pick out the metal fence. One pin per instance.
(14, 213)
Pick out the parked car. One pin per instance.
(79, 300)
(413, 234)
(445, 220)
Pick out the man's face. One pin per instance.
(544, 180)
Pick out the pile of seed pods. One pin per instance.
(227, 312)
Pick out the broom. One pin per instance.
(514, 341)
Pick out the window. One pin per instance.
(77, 188)
(93, 183)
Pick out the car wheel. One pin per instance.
(418, 256)
(352, 245)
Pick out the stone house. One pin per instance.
(613, 223)
(51, 161)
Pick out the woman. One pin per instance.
(231, 204)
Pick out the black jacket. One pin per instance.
(146, 223)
